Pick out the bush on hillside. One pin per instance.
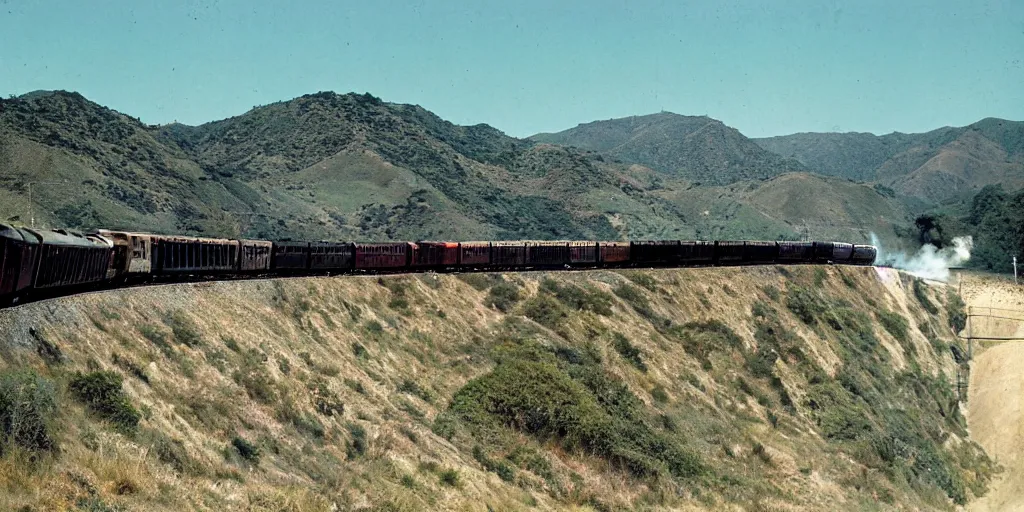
(101, 392)
(28, 406)
(502, 296)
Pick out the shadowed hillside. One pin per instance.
(796, 388)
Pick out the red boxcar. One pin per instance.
(71, 259)
(18, 253)
(331, 255)
(473, 254)
(613, 252)
(435, 254)
(583, 253)
(382, 256)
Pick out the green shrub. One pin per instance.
(921, 293)
(154, 335)
(325, 401)
(896, 325)
(28, 407)
(253, 376)
(413, 388)
(545, 310)
(502, 296)
(636, 299)
(247, 450)
(805, 304)
(771, 291)
(956, 310)
(628, 351)
(478, 280)
(102, 393)
(184, 329)
(359, 350)
(578, 298)
(503, 470)
(449, 477)
(358, 445)
(643, 279)
(129, 366)
(837, 413)
(700, 339)
(659, 394)
(579, 406)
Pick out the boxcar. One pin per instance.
(133, 253)
(654, 252)
(255, 255)
(796, 252)
(508, 254)
(613, 253)
(760, 252)
(823, 251)
(547, 254)
(436, 255)
(864, 255)
(332, 255)
(289, 256)
(71, 259)
(696, 252)
(191, 255)
(583, 253)
(18, 257)
(729, 252)
(841, 252)
(474, 254)
(389, 255)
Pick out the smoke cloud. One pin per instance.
(929, 262)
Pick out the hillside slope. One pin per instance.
(697, 149)
(943, 164)
(330, 166)
(796, 388)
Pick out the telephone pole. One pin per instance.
(31, 210)
(1014, 270)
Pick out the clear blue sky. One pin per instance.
(527, 66)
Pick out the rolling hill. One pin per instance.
(350, 166)
(698, 149)
(937, 166)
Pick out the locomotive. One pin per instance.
(36, 264)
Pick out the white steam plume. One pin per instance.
(929, 262)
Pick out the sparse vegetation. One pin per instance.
(28, 409)
(101, 392)
(628, 351)
(249, 451)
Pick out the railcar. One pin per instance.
(696, 252)
(654, 252)
(796, 252)
(508, 254)
(841, 252)
(382, 256)
(863, 255)
(133, 254)
(332, 256)
(583, 253)
(613, 253)
(435, 255)
(289, 257)
(474, 254)
(729, 252)
(18, 258)
(547, 254)
(254, 255)
(183, 255)
(68, 259)
(760, 252)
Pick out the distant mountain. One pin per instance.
(350, 166)
(698, 149)
(940, 165)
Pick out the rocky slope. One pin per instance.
(796, 388)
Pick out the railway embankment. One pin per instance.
(784, 388)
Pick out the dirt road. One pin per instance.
(995, 416)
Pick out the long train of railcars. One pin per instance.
(37, 264)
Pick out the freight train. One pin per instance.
(37, 264)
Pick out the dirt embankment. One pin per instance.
(798, 388)
(995, 415)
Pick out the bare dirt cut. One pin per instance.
(797, 388)
(994, 415)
